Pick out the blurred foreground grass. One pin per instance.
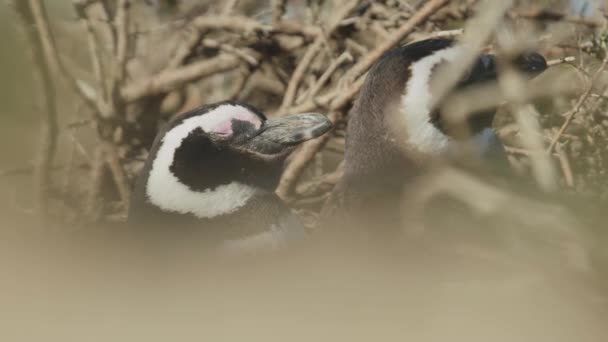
(18, 113)
(18, 117)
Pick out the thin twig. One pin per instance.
(342, 59)
(229, 7)
(121, 22)
(249, 56)
(578, 106)
(565, 165)
(241, 81)
(278, 11)
(79, 147)
(348, 95)
(447, 33)
(517, 151)
(92, 208)
(322, 184)
(567, 59)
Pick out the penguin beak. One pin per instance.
(532, 64)
(486, 69)
(487, 147)
(279, 135)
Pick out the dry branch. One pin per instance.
(531, 136)
(121, 23)
(321, 185)
(118, 173)
(49, 50)
(233, 23)
(92, 210)
(301, 160)
(342, 59)
(559, 227)
(229, 6)
(298, 75)
(202, 24)
(278, 10)
(555, 16)
(171, 79)
(98, 68)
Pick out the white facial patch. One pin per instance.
(415, 102)
(164, 190)
(219, 120)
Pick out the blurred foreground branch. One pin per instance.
(33, 19)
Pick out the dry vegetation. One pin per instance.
(146, 61)
(109, 73)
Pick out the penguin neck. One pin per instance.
(423, 126)
(166, 185)
(164, 191)
(373, 156)
(391, 127)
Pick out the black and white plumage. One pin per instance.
(211, 175)
(398, 92)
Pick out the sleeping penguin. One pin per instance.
(380, 160)
(211, 174)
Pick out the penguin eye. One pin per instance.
(243, 131)
(484, 69)
(487, 62)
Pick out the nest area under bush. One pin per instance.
(143, 62)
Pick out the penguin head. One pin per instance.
(427, 128)
(210, 161)
(393, 122)
(485, 70)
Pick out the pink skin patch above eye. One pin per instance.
(224, 115)
(223, 128)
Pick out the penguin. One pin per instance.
(380, 160)
(210, 178)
